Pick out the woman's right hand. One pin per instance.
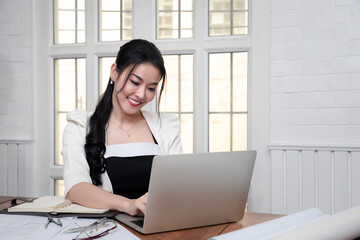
(136, 206)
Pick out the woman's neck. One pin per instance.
(117, 117)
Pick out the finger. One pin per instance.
(142, 205)
(143, 209)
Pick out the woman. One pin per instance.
(108, 155)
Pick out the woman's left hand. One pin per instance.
(140, 203)
(136, 206)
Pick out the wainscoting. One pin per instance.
(16, 157)
(307, 176)
(302, 176)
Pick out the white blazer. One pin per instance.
(165, 128)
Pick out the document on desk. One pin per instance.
(26, 227)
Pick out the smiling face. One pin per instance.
(139, 90)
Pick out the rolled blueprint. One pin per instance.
(342, 225)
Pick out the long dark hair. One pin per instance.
(131, 54)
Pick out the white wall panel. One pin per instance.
(278, 183)
(22, 170)
(324, 172)
(304, 177)
(12, 167)
(16, 164)
(341, 193)
(309, 180)
(293, 179)
(3, 170)
(355, 179)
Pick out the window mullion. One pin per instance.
(121, 19)
(200, 93)
(179, 18)
(200, 101)
(76, 21)
(179, 85)
(76, 84)
(231, 17)
(144, 19)
(231, 101)
(91, 16)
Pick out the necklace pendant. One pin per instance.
(128, 134)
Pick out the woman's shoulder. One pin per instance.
(78, 116)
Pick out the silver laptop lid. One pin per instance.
(192, 190)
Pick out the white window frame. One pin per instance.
(257, 43)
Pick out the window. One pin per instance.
(174, 19)
(207, 80)
(115, 20)
(69, 21)
(228, 101)
(227, 78)
(178, 95)
(228, 17)
(70, 93)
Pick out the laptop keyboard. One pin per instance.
(139, 222)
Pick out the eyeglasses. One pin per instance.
(97, 229)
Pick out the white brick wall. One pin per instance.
(16, 82)
(355, 81)
(315, 71)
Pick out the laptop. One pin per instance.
(194, 190)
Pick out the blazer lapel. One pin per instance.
(153, 121)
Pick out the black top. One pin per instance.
(129, 176)
(129, 166)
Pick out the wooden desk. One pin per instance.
(193, 233)
(203, 233)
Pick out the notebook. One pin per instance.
(193, 190)
(56, 204)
